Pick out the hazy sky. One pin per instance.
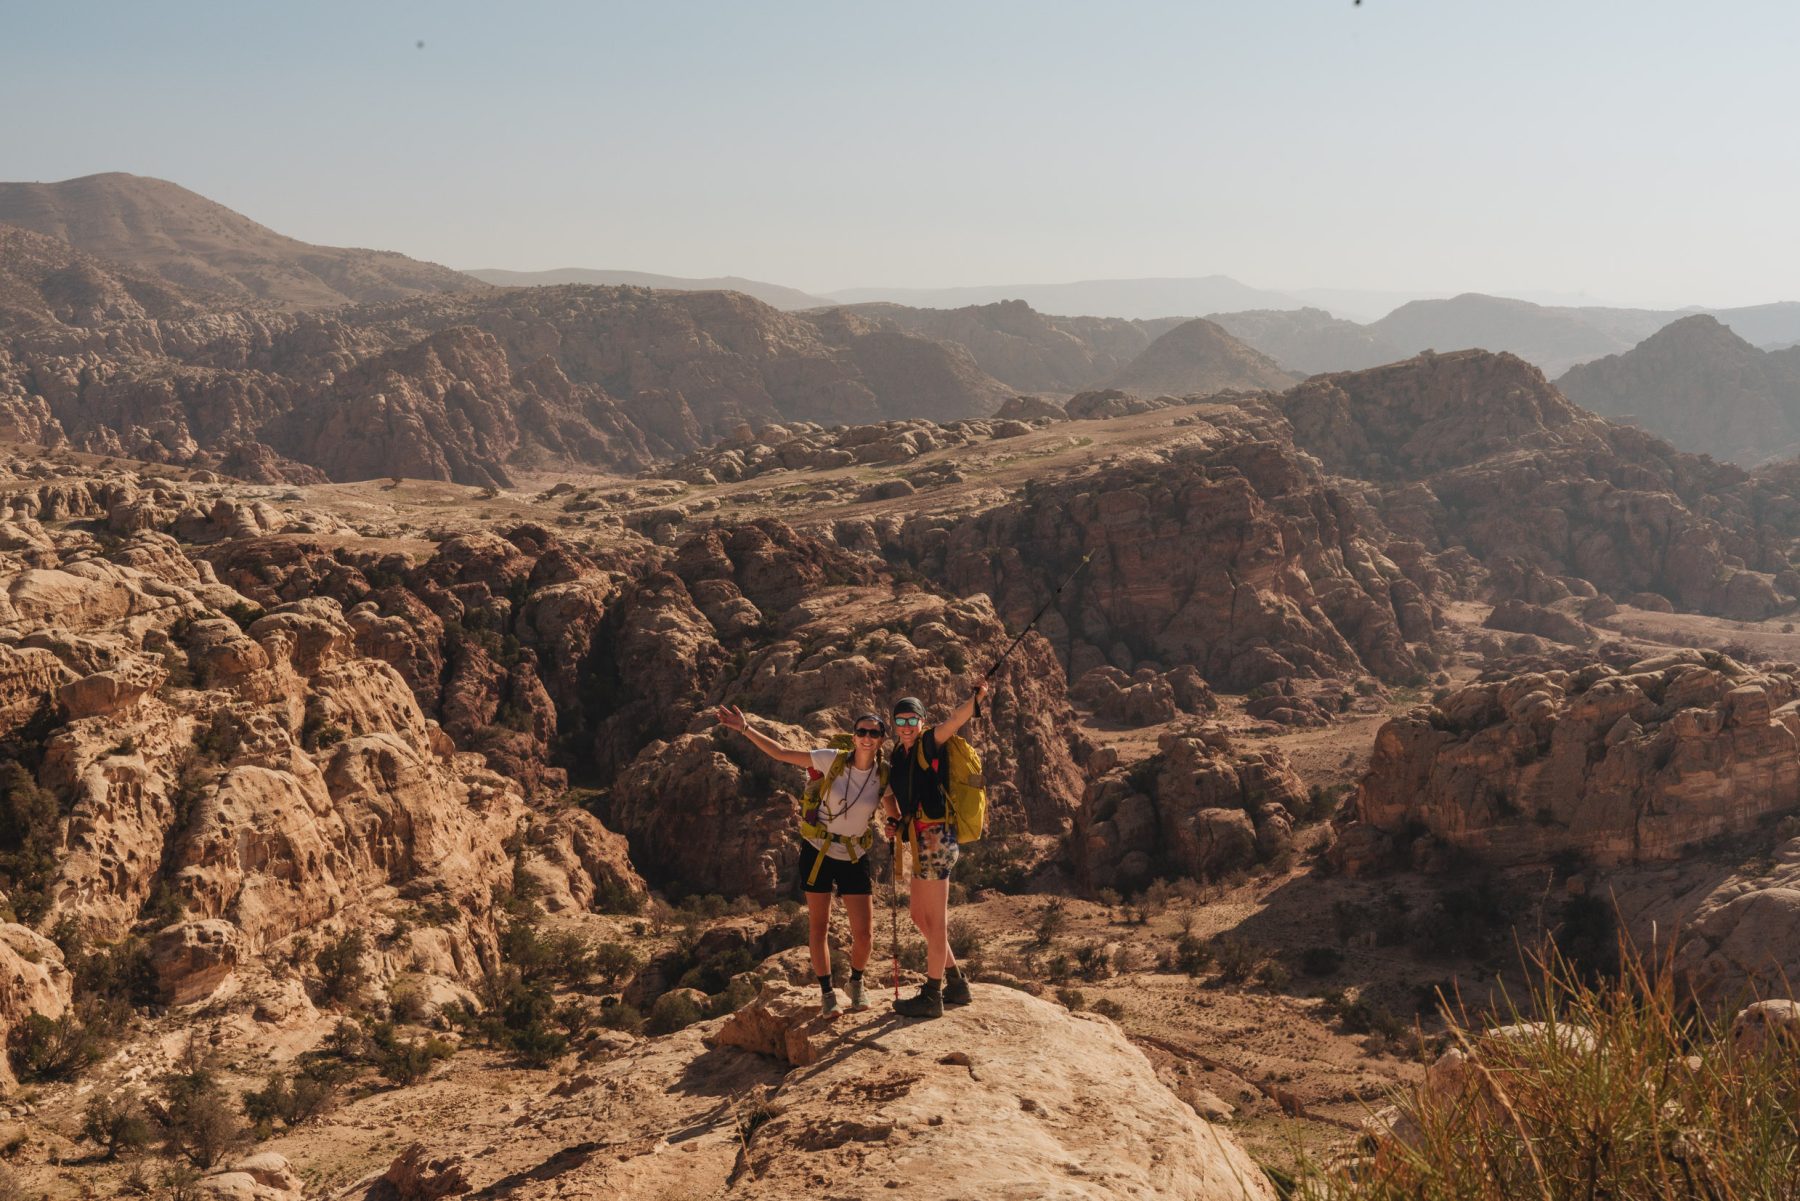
(1638, 150)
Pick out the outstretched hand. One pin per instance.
(731, 717)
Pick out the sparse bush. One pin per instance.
(407, 1061)
(200, 1121)
(1093, 961)
(1108, 1008)
(1051, 922)
(116, 1122)
(1237, 959)
(1652, 1102)
(1192, 955)
(672, 1011)
(340, 967)
(965, 940)
(1273, 974)
(622, 1017)
(1072, 998)
(291, 1098)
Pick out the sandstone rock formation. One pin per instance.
(1011, 1097)
(1220, 548)
(1608, 764)
(465, 387)
(1200, 807)
(1478, 451)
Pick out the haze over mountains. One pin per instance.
(621, 368)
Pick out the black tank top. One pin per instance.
(920, 790)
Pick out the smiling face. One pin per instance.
(907, 727)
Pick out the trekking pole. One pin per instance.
(894, 909)
(1034, 619)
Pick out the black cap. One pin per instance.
(910, 704)
(860, 718)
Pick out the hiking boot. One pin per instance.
(956, 990)
(828, 1004)
(858, 1000)
(928, 1002)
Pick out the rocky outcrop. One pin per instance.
(1198, 358)
(1703, 388)
(1030, 1100)
(1610, 765)
(808, 446)
(1200, 807)
(466, 388)
(1477, 451)
(1221, 548)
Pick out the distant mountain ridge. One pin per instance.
(1198, 357)
(1132, 299)
(1702, 387)
(774, 295)
(162, 229)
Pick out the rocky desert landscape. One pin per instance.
(366, 830)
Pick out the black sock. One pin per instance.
(931, 987)
(825, 985)
(855, 975)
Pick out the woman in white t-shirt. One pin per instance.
(835, 841)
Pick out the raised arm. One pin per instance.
(959, 717)
(732, 718)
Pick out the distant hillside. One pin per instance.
(1554, 339)
(467, 387)
(1198, 357)
(1025, 349)
(189, 241)
(1702, 387)
(776, 295)
(1129, 298)
(1309, 340)
(46, 282)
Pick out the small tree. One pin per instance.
(116, 1122)
(340, 967)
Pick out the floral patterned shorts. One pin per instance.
(938, 851)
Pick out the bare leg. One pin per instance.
(862, 921)
(931, 900)
(818, 924)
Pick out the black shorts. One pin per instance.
(849, 879)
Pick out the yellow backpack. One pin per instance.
(966, 796)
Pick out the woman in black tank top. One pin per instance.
(917, 805)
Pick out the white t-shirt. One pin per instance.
(854, 793)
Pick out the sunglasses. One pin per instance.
(906, 721)
(866, 732)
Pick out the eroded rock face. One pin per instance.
(1614, 765)
(987, 1107)
(1221, 549)
(1200, 807)
(1479, 450)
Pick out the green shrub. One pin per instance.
(622, 1017)
(1192, 954)
(673, 1011)
(406, 1061)
(340, 967)
(199, 1120)
(116, 1122)
(1237, 959)
(1072, 998)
